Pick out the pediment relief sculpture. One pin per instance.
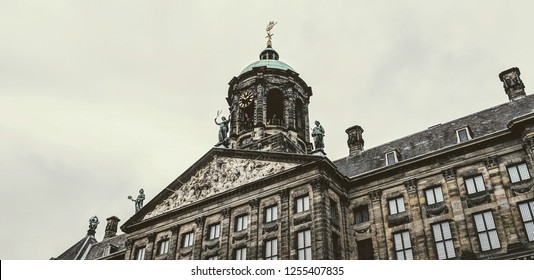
(217, 176)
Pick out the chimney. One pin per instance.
(355, 140)
(111, 227)
(513, 86)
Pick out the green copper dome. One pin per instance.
(269, 58)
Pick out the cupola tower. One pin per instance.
(269, 105)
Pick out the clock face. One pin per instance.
(245, 99)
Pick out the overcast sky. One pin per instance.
(101, 98)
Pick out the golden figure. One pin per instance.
(269, 34)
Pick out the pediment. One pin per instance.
(219, 175)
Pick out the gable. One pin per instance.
(219, 175)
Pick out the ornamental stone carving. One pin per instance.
(217, 176)
(411, 185)
(375, 195)
(449, 174)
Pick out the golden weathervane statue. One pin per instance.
(269, 34)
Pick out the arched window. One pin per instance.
(275, 107)
(247, 117)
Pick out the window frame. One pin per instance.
(241, 222)
(357, 213)
(240, 253)
(395, 157)
(519, 174)
(402, 244)
(300, 203)
(473, 178)
(268, 254)
(214, 231)
(435, 198)
(467, 134)
(140, 253)
(188, 236)
(306, 249)
(334, 211)
(447, 242)
(529, 230)
(396, 199)
(163, 245)
(273, 211)
(486, 231)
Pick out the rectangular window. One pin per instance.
(271, 249)
(241, 223)
(336, 245)
(391, 158)
(396, 205)
(475, 184)
(188, 239)
(215, 231)
(463, 135)
(304, 245)
(527, 215)
(140, 253)
(271, 214)
(361, 214)
(518, 173)
(487, 232)
(241, 254)
(403, 246)
(365, 249)
(434, 195)
(334, 213)
(302, 204)
(163, 247)
(444, 242)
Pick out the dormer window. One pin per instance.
(392, 157)
(463, 135)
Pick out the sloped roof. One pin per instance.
(438, 137)
(77, 250)
(97, 249)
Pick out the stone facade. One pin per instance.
(453, 191)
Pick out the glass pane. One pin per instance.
(446, 230)
(514, 174)
(391, 158)
(398, 242)
(307, 238)
(400, 255)
(494, 238)
(392, 207)
(308, 253)
(268, 249)
(430, 197)
(480, 183)
(275, 213)
(439, 194)
(462, 134)
(400, 204)
(307, 203)
(489, 220)
(300, 240)
(484, 242)
(523, 171)
(479, 222)
(440, 247)
(299, 205)
(530, 230)
(301, 254)
(274, 247)
(450, 249)
(437, 232)
(406, 239)
(526, 215)
(409, 254)
(268, 215)
(470, 185)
